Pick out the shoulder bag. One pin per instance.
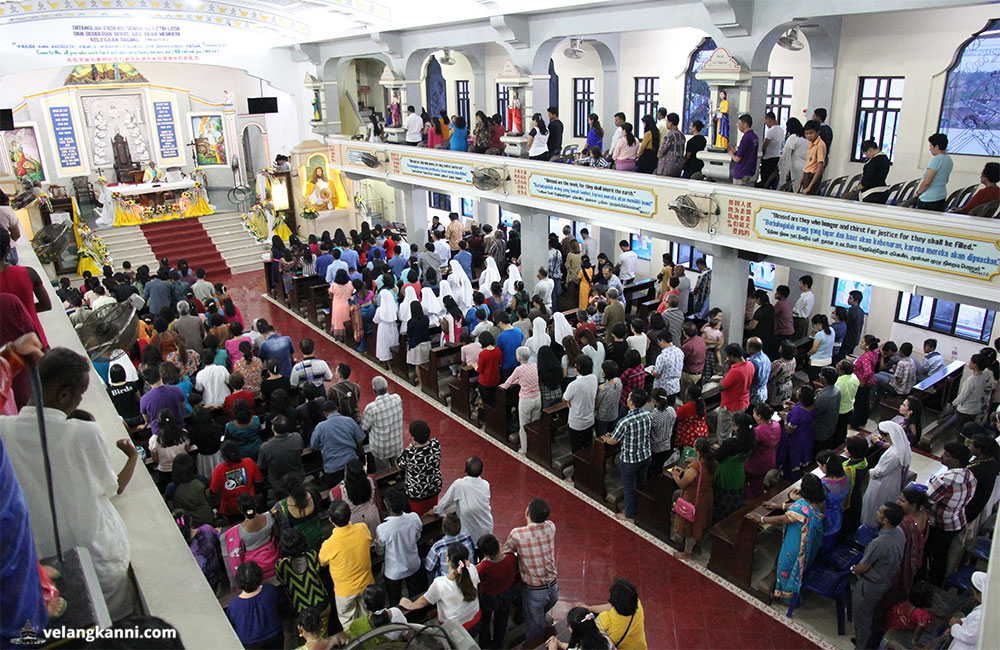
(685, 508)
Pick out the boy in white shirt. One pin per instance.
(627, 261)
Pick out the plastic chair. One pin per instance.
(864, 536)
(907, 192)
(988, 210)
(961, 580)
(835, 187)
(570, 150)
(852, 184)
(829, 583)
(893, 194)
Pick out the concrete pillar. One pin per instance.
(411, 205)
(729, 290)
(534, 246)
(608, 244)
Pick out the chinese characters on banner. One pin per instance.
(738, 217)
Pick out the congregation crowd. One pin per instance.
(793, 157)
(232, 409)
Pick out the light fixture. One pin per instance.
(790, 40)
(446, 59)
(574, 51)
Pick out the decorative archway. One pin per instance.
(255, 150)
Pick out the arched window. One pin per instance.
(697, 98)
(970, 109)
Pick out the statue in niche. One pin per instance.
(317, 110)
(318, 192)
(721, 119)
(514, 114)
(395, 116)
(119, 145)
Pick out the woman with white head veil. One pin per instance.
(513, 277)
(387, 331)
(432, 305)
(403, 313)
(489, 275)
(561, 326)
(885, 480)
(538, 339)
(461, 286)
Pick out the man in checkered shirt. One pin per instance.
(634, 434)
(535, 546)
(947, 495)
(383, 422)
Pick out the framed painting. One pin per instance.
(22, 150)
(209, 139)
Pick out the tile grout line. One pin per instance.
(773, 612)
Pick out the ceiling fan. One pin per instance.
(790, 40)
(574, 51)
(446, 59)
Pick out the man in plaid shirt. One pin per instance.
(902, 379)
(633, 432)
(383, 422)
(947, 495)
(535, 546)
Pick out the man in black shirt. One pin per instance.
(872, 188)
(825, 132)
(555, 132)
(855, 325)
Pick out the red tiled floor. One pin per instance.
(684, 609)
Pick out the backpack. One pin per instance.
(235, 553)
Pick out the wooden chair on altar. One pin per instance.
(125, 169)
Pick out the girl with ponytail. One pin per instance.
(584, 633)
(455, 594)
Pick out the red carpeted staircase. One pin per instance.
(187, 239)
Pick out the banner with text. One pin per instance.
(620, 198)
(436, 169)
(164, 114)
(62, 129)
(354, 156)
(974, 258)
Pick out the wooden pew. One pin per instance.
(653, 511)
(504, 411)
(429, 373)
(318, 307)
(590, 468)
(398, 362)
(647, 308)
(802, 347)
(541, 435)
(735, 537)
(269, 281)
(638, 293)
(300, 289)
(460, 389)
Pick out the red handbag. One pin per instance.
(684, 508)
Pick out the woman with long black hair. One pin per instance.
(359, 491)
(650, 145)
(538, 139)
(626, 149)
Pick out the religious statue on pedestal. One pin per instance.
(318, 192)
(514, 114)
(395, 116)
(721, 119)
(317, 111)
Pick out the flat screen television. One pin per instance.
(258, 105)
(6, 119)
(763, 275)
(643, 246)
(843, 287)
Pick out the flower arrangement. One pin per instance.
(44, 200)
(252, 222)
(309, 213)
(267, 173)
(92, 245)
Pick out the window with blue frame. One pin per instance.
(970, 108)
(945, 317)
(686, 255)
(503, 100)
(439, 201)
(697, 97)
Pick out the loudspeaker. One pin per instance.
(257, 105)
(6, 119)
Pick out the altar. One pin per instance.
(155, 192)
(138, 203)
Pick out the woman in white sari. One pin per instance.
(513, 277)
(388, 332)
(489, 275)
(403, 314)
(461, 286)
(539, 338)
(885, 480)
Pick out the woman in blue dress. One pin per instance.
(837, 486)
(803, 522)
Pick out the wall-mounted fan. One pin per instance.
(574, 51)
(489, 178)
(51, 242)
(446, 59)
(108, 328)
(688, 211)
(371, 160)
(790, 40)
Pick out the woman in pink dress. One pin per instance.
(340, 310)
(762, 459)
(25, 284)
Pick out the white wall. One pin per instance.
(460, 71)
(785, 63)
(917, 45)
(567, 69)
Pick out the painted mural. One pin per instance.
(25, 158)
(104, 73)
(209, 139)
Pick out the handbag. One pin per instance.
(684, 508)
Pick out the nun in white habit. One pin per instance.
(489, 275)
(461, 286)
(885, 480)
(431, 304)
(513, 277)
(561, 326)
(539, 338)
(403, 314)
(387, 331)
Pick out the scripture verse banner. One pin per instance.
(619, 198)
(62, 129)
(354, 156)
(974, 258)
(164, 114)
(436, 169)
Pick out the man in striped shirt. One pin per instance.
(535, 546)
